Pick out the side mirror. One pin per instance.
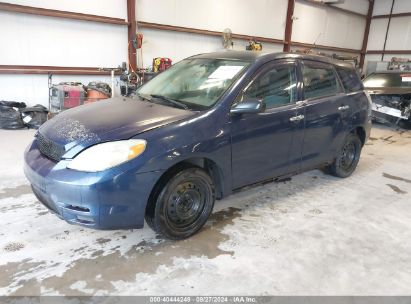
(249, 106)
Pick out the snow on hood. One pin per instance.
(108, 120)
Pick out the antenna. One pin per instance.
(314, 44)
(318, 37)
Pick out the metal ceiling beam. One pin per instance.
(55, 70)
(23, 9)
(190, 30)
(389, 52)
(289, 26)
(392, 15)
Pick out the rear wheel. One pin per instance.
(182, 204)
(348, 157)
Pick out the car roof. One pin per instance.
(254, 56)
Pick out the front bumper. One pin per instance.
(113, 199)
(384, 110)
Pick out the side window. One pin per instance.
(350, 80)
(275, 87)
(319, 81)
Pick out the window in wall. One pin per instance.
(319, 81)
(275, 87)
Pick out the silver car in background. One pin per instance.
(390, 92)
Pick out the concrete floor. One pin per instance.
(313, 235)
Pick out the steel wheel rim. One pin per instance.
(348, 155)
(186, 203)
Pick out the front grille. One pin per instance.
(48, 148)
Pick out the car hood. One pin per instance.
(108, 120)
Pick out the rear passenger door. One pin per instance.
(325, 113)
(356, 103)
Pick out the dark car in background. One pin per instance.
(210, 125)
(390, 92)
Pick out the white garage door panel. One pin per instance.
(175, 45)
(399, 34)
(348, 36)
(264, 18)
(310, 24)
(373, 57)
(60, 42)
(108, 8)
(402, 6)
(382, 7)
(178, 46)
(376, 37)
(327, 27)
(359, 6)
(31, 89)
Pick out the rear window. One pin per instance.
(394, 80)
(350, 80)
(319, 81)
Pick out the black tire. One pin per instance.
(348, 157)
(181, 204)
(405, 124)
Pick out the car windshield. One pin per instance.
(391, 80)
(194, 83)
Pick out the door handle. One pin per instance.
(343, 108)
(297, 118)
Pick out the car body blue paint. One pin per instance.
(246, 149)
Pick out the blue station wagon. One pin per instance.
(210, 125)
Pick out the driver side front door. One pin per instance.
(268, 144)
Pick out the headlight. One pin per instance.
(107, 155)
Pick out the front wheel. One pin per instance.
(348, 157)
(405, 123)
(182, 205)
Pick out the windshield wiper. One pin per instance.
(170, 100)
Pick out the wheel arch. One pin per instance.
(208, 165)
(360, 131)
